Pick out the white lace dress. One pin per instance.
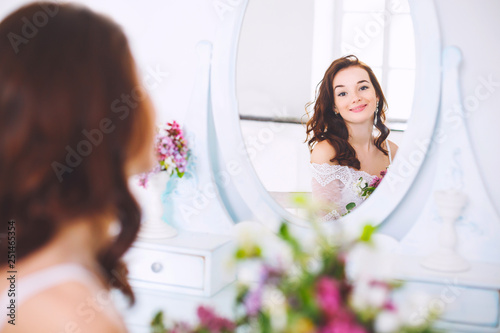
(337, 186)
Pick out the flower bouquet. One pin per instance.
(172, 155)
(171, 150)
(365, 189)
(306, 286)
(209, 322)
(309, 288)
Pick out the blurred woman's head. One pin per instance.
(75, 122)
(347, 85)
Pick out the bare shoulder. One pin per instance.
(323, 152)
(394, 148)
(68, 307)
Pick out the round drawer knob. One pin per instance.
(156, 267)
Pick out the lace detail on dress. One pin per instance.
(325, 173)
(337, 186)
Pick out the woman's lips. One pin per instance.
(358, 108)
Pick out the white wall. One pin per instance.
(164, 34)
(274, 58)
(474, 27)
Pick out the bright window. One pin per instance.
(380, 33)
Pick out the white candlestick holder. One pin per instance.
(450, 204)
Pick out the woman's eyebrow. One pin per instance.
(340, 85)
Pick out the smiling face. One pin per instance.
(354, 95)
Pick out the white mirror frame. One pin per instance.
(245, 197)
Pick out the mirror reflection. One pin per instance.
(348, 159)
(284, 51)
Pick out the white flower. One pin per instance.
(387, 322)
(367, 261)
(248, 232)
(275, 251)
(359, 185)
(367, 295)
(249, 271)
(358, 298)
(378, 295)
(274, 302)
(314, 265)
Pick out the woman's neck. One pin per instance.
(361, 136)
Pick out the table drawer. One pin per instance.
(166, 268)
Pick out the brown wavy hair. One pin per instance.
(61, 81)
(326, 125)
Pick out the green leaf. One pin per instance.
(157, 323)
(284, 234)
(367, 233)
(240, 254)
(350, 206)
(299, 199)
(264, 323)
(245, 253)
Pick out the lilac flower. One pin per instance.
(253, 301)
(270, 275)
(171, 150)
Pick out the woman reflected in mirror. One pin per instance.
(347, 137)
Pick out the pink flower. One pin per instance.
(342, 327)
(344, 322)
(213, 323)
(328, 296)
(143, 180)
(181, 327)
(171, 151)
(375, 182)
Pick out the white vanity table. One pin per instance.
(470, 299)
(177, 274)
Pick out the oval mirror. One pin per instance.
(283, 51)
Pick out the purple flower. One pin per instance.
(253, 301)
(171, 151)
(270, 275)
